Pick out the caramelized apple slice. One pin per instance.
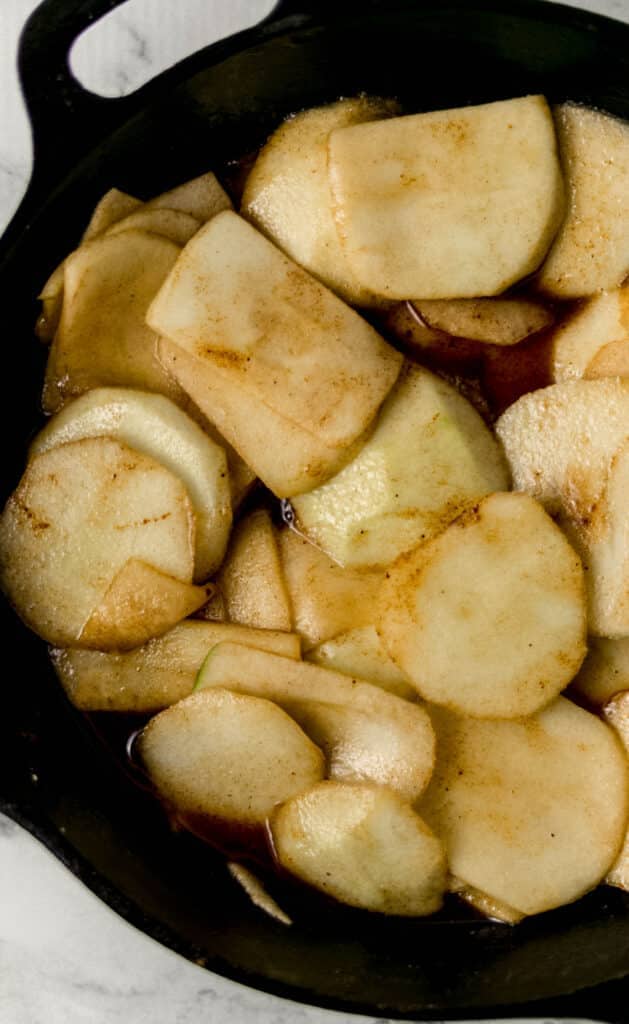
(251, 579)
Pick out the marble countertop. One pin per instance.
(66, 958)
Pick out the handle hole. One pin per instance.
(141, 38)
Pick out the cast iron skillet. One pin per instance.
(54, 777)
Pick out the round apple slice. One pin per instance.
(489, 618)
(155, 426)
(80, 514)
(225, 757)
(363, 846)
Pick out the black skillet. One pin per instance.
(55, 777)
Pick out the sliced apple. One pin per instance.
(533, 812)
(363, 846)
(256, 431)
(159, 673)
(368, 733)
(251, 579)
(102, 338)
(113, 206)
(486, 905)
(80, 513)
(431, 347)
(360, 652)
(325, 598)
(257, 892)
(616, 713)
(287, 194)
(489, 321)
(155, 426)
(179, 227)
(226, 757)
(593, 341)
(489, 618)
(591, 252)
(450, 204)
(428, 458)
(605, 671)
(287, 340)
(202, 198)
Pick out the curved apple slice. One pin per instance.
(155, 426)
(605, 671)
(176, 225)
(251, 580)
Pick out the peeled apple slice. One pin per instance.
(363, 846)
(102, 338)
(605, 671)
(591, 251)
(450, 204)
(79, 514)
(325, 598)
(488, 618)
(159, 673)
(616, 713)
(289, 341)
(287, 194)
(360, 652)
(367, 732)
(155, 426)
(179, 227)
(225, 757)
(251, 579)
(113, 206)
(201, 198)
(490, 321)
(593, 341)
(532, 812)
(428, 458)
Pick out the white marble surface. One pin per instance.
(65, 958)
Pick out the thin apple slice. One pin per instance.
(251, 579)
(489, 321)
(428, 458)
(489, 618)
(450, 204)
(616, 713)
(605, 671)
(594, 340)
(287, 458)
(287, 194)
(289, 341)
(363, 846)
(140, 603)
(532, 811)
(102, 338)
(325, 598)
(155, 426)
(486, 905)
(369, 733)
(80, 512)
(159, 673)
(219, 757)
(113, 206)
(431, 347)
(360, 652)
(591, 251)
(202, 198)
(257, 893)
(179, 227)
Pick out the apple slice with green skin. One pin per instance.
(605, 671)
(368, 732)
(179, 227)
(593, 341)
(532, 811)
(287, 194)
(360, 652)
(155, 426)
(325, 598)
(255, 431)
(159, 673)
(288, 341)
(363, 846)
(591, 251)
(488, 618)
(616, 713)
(429, 457)
(251, 579)
(102, 338)
(449, 204)
(488, 321)
(222, 760)
(80, 512)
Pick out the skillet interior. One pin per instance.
(54, 777)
